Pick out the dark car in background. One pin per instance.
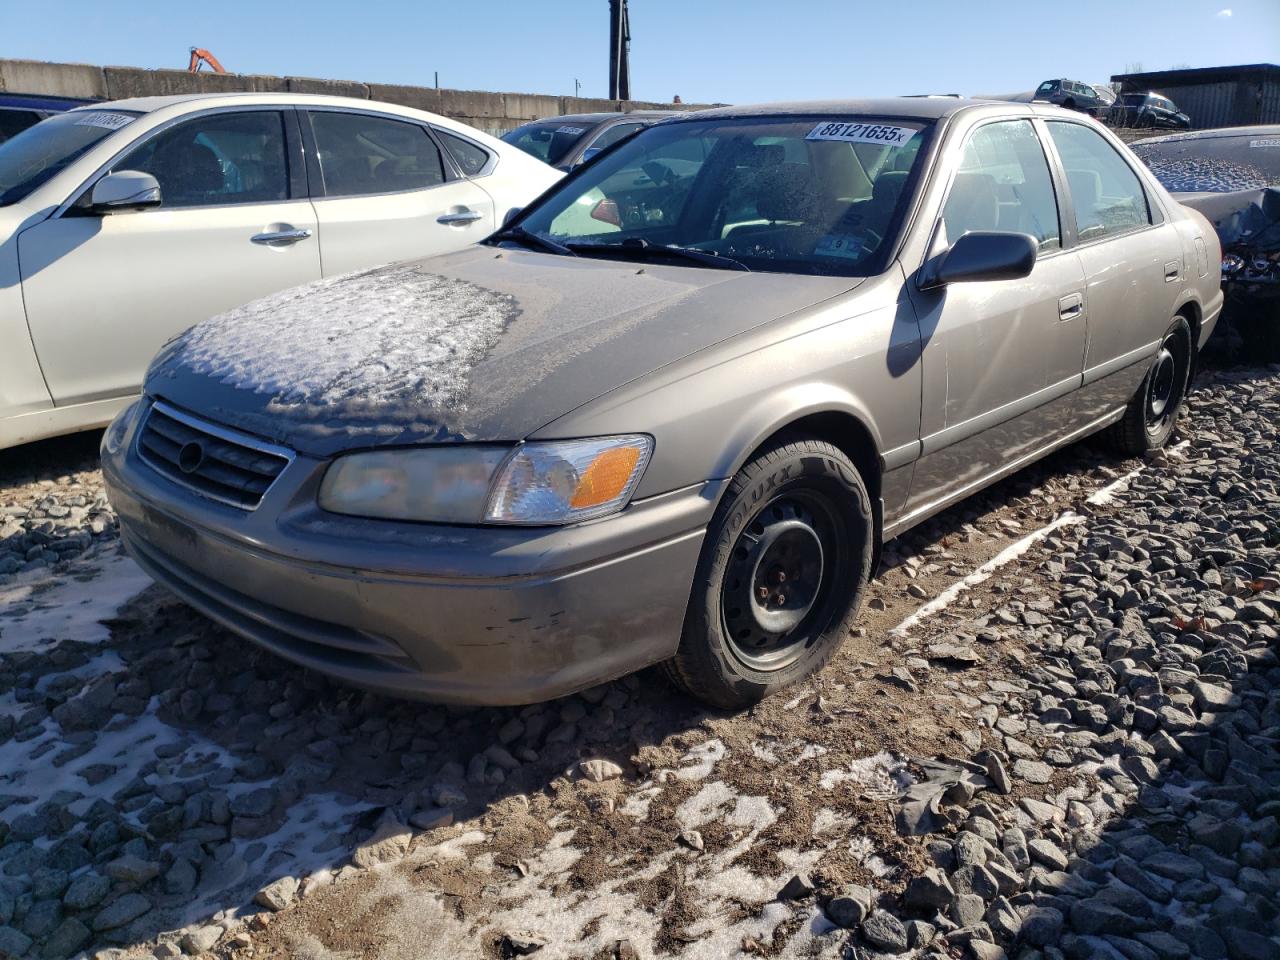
(21, 110)
(1074, 95)
(1147, 110)
(1232, 176)
(564, 142)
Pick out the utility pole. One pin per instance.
(577, 86)
(619, 51)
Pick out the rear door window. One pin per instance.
(471, 159)
(222, 158)
(361, 154)
(1004, 184)
(1106, 194)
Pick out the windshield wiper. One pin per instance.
(639, 247)
(534, 240)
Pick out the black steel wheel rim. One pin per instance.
(775, 600)
(1162, 386)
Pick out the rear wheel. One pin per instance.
(1149, 419)
(782, 573)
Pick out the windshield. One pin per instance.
(41, 152)
(1214, 164)
(780, 194)
(548, 140)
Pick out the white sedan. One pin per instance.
(124, 223)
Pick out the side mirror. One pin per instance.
(124, 190)
(985, 255)
(511, 215)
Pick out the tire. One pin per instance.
(796, 523)
(1152, 412)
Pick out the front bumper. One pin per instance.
(491, 615)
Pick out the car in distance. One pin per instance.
(564, 142)
(18, 111)
(1074, 95)
(670, 412)
(1232, 176)
(1147, 110)
(123, 223)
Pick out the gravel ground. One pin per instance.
(1075, 756)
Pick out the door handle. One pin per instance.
(1172, 271)
(1070, 306)
(461, 218)
(280, 238)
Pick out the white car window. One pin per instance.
(363, 154)
(223, 158)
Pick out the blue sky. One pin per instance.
(704, 50)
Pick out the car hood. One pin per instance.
(485, 345)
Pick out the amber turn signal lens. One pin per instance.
(606, 477)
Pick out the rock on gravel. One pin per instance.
(124, 910)
(598, 770)
(390, 842)
(885, 931)
(201, 939)
(278, 894)
(850, 907)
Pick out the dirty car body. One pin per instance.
(1232, 176)
(512, 472)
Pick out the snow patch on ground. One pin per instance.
(34, 616)
(701, 760)
(882, 776)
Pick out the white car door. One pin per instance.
(389, 192)
(104, 293)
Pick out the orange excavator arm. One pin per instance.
(200, 55)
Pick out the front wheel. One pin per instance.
(781, 576)
(1149, 419)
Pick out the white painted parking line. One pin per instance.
(1013, 551)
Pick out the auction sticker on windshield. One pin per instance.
(861, 133)
(101, 118)
(570, 129)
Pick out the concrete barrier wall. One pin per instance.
(492, 112)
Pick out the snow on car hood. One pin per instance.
(485, 344)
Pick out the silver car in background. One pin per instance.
(672, 411)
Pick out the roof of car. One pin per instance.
(1262, 130)
(151, 104)
(917, 108)
(608, 115)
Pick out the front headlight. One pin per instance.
(566, 480)
(441, 484)
(536, 483)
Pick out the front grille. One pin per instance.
(217, 463)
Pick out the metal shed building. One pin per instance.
(1215, 96)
